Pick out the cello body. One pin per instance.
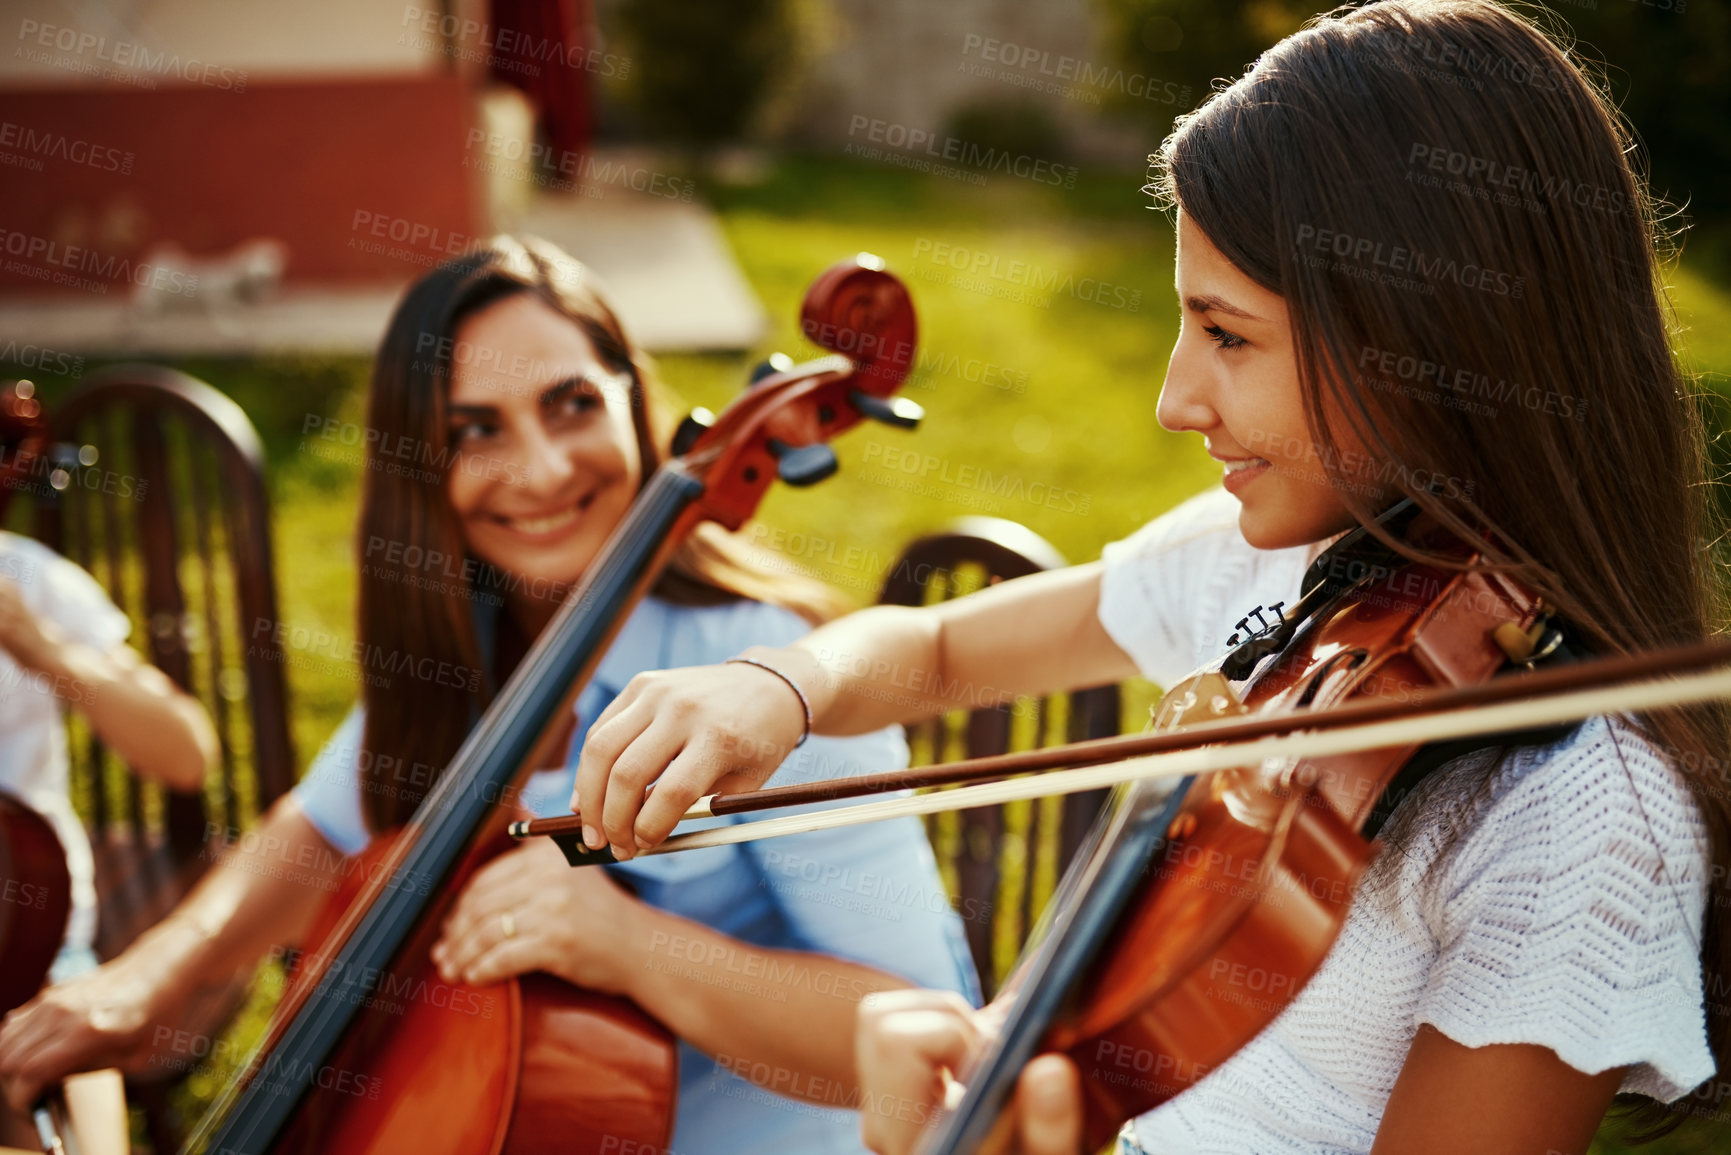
(35, 903)
(527, 1066)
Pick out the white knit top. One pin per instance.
(1555, 898)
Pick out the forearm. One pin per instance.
(725, 727)
(782, 1019)
(889, 664)
(160, 732)
(259, 898)
(865, 671)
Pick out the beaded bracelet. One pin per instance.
(800, 694)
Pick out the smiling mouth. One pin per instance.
(543, 525)
(1242, 464)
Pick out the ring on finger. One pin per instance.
(508, 924)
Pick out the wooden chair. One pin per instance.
(1000, 861)
(157, 489)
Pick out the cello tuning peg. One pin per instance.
(897, 411)
(690, 429)
(802, 465)
(770, 366)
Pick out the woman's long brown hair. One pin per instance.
(1446, 204)
(425, 679)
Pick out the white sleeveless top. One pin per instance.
(1556, 898)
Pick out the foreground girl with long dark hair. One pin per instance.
(1413, 262)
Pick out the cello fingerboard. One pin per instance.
(254, 1111)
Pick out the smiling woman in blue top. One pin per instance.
(513, 431)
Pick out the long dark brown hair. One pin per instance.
(1446, 203)
(425, 678)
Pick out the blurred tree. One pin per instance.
(703, 73)
(1670, 73)
(1192, 42)
(1667, 64)
(1020, 127)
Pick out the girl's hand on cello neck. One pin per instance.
(907, 1045)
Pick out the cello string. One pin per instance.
(611, 577)
(1479, 720)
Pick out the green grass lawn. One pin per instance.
(1038, 411)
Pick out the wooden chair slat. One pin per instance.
(252, 561)
(213, 642)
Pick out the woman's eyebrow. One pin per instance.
(562, 389)
(548, 396)
(1213, 304)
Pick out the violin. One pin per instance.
(1250, 862)
(1255, 865)
(369, 1051)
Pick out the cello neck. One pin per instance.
(559, 662)
(253, 1111)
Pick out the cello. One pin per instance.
(369, 1051)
